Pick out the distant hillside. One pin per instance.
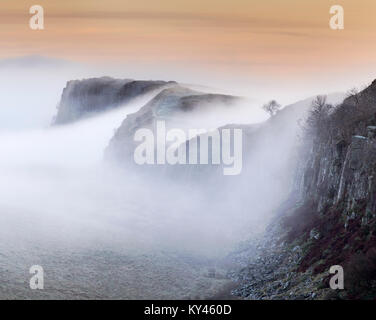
(88, 97)
(178, 107)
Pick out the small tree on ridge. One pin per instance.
(272, 107)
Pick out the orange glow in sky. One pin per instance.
(269, 37)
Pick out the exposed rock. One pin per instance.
(84, 98)
(175, 106)
(314, 234)
(331, 216)
(336, 206)
(371, 132)
(272, 275)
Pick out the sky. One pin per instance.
(270, 46)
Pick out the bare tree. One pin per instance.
(318, 119)
(354, 94)
(272, 107)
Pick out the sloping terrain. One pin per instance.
(329, 218)
(88, 97)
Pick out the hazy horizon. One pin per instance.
(284, 51)
(49, 75)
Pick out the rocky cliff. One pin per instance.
(336, 186)
(84, 98)
(177, 107)
(329, 218)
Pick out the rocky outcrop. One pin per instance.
(269, 271)
(339, 166)
(331, 217)
(337, 178)
(84, 98)
(341, 173)
(177, 107)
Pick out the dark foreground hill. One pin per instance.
(329, 218)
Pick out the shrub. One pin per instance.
(360, 275)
